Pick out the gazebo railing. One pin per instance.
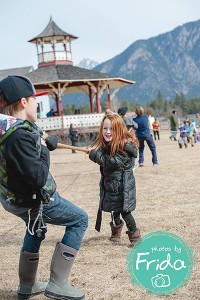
(79, 121)
(59, 55)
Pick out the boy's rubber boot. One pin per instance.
(28, 286)
(116, 231)
(133, 236)
(61, 264)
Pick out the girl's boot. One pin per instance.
(61, 264)
(116, 231)
(28, 285)
(133, 236)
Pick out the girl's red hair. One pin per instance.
(120, 135)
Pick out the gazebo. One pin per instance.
(57, 74)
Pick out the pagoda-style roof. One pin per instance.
(24, 71)
(52, 30)
(76, 78)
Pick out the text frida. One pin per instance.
(155, 263)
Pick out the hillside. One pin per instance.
(169, 62)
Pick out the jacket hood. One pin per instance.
(5, 123)
(9, 124)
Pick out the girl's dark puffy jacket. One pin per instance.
(117, 184)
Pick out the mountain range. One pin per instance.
(169, 63)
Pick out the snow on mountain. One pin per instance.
(87, 63)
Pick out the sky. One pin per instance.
(105, 28)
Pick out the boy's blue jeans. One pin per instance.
(152, 147)
(59, 212)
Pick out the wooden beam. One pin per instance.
(98, 104)
(91, 100)
(60, 106)
(108, 96)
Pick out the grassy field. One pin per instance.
(167, 200)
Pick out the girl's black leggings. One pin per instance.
(128, 219)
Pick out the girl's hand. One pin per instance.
(88, 150)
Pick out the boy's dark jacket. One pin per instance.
(117, 184)
(24, 170)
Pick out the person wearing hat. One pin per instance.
(28, 190)
(130, 123)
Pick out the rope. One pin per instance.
(39, 218)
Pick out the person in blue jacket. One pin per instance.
(143, 134)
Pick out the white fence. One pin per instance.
(79, 121)
(51, 56)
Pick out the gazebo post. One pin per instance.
(91, 100)
(98, 104)
(56, 98)
(108, 96)
(60, 106)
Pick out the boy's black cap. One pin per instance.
(122, 110)
(13, 88)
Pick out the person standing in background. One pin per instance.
(143, 134)
(73, 135)
(197, 120)
(131, 126)
(156, 129)
(129, 122)
(190, 133)
(174, 122)
(194, 130)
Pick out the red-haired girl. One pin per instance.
(114, 150)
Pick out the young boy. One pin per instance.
(183, 135)
(28, 191)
